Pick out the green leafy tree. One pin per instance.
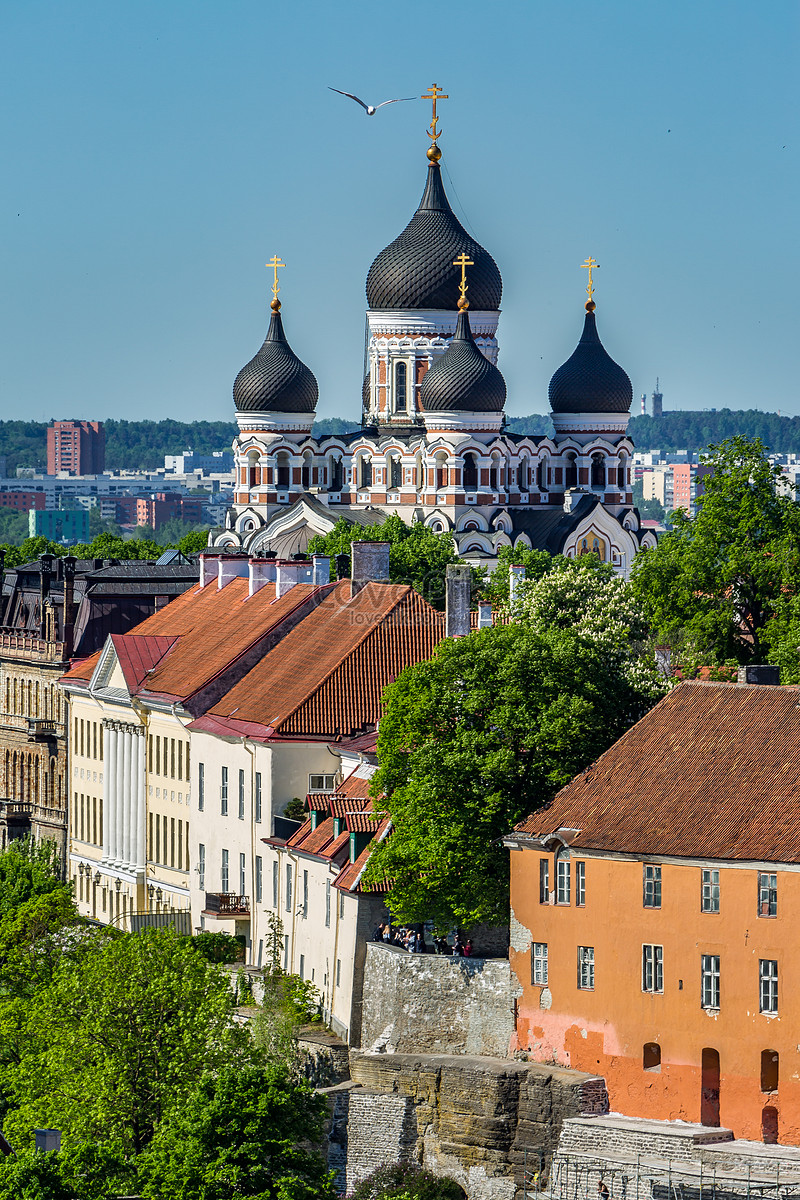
(476, 738)
(406, 1181)
(417, 556)
(33, 939)
(117, 1040)
(242, 1132)
(27, 869)
(33, 1175)
(713, 585)
(537, 563)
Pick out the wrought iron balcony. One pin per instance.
(227, 904)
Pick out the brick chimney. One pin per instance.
(232, 566)
(261, 571)
(458, 584)
(208, 566)
(321, 569)
(291, 571)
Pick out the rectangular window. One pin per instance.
(321, 783)
(305, 894)
(157, 854)
(224, 873)
(150, 836)
(539, 964)
(223, 792)
(580, 883)
(180, 845)
(242, 875)
(341, 906)
(201, 786)
(288, 896)
(259, 878)
(172, 841)
(709, 988)
(709, 895)
(544, 881)
(81, 825)
(157, 741)
(275, 872)
(258, 796)
(94, 739)
(165, 756)
(201, 867)
(768, 985)
(101, 743)
(286, 952)
(338, 972)
(241, 795)
(188, 776)
(187, 845)
(767, 894)
(172, 758)
(164, 840)
(180, 760)
(150, 752)
(327, 903)
(302, 966)
(94, 819)
(652, 885)
(100, 807)
(652, 968)
(562, 881)
(586, 968)
(82, 745)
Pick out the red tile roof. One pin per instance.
(713, 771)
(327, 675)
(138, 655)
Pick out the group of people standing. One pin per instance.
(412, 939)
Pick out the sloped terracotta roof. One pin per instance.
(350, 878)
(82, 670)
(327, 675)
(713, 771)
(363, 822)
(138, 655)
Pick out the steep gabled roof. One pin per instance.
(326, 677)
(713, 771)
(138, 655)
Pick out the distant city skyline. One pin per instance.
(157, 156)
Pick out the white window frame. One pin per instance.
(709, 890)
(767, 894)
(709, 982)
(586, 968)
(539, 964)
(562, 880)
(323, 786)
(652, 968)
(651, 885)
(580, 884)
(768, 986)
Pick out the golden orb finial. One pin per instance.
(275, 262)
(435, 93)
(590, 265)
(463, 261)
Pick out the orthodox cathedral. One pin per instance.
(433, 446)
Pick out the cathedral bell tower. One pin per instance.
(411, 289)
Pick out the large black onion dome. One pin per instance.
(416, 270)
(463, 380)
(275, 380)
(590, 380)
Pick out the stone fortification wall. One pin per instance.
(477, 1120)
(420, 1003)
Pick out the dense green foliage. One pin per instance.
(27, 870)
(241, 1132)
(401, 1180)
(417, 556)
(697, 429)
(103, 546)
(723, 587)
(488, 730)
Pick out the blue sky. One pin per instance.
(156, 154)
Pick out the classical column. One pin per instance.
(109, 792)
(126, 795)
(141, 800)
(119, 811)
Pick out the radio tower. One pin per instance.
(658, 401)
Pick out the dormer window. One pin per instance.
(337, 826)
(321, 783)
(400, 387)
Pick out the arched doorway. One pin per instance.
(709, 1096)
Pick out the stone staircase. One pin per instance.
(627, 1158)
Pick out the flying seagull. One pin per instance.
(371, 109)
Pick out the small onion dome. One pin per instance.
(416, 270)
(275, 380)
(590, 380)
(463, 380)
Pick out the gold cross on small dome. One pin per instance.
(589, 265)
(463, 262)
(275, 262)
(435, 93)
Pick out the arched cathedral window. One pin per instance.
(400, 387)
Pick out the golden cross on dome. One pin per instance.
(589, 265)
(434, 94)
(463, 262)
(275, 262)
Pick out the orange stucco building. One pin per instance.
(655, 905)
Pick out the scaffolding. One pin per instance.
(582, 1177)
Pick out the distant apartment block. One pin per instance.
(76, 447)
(60, 525)
(161, 506)
(22, 501)
(183, 464)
